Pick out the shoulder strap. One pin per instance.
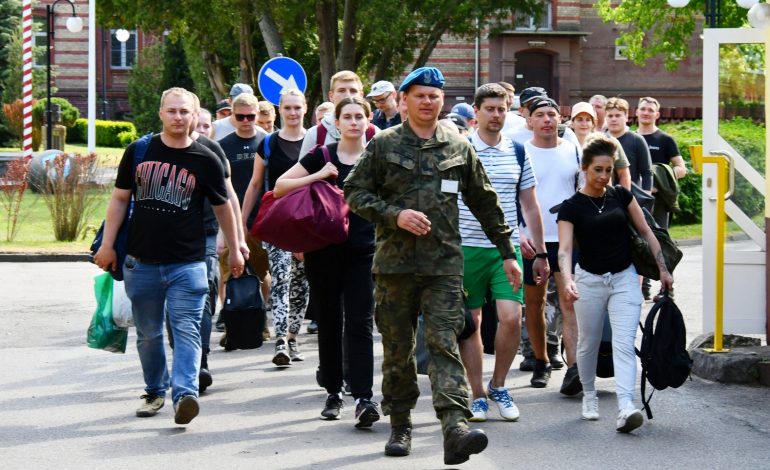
(140, 149)
(520, 157)
(266, 147)
(370, 131)
(320, 134)
(325, 151)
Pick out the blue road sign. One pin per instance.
(278, 74)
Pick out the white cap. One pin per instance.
(380, 88)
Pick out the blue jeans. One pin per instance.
(212, 271)
(181, 288)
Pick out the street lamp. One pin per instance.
(759, 13)
(74, 25)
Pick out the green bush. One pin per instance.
(69, 113)
(126, 137)
(78, 133)
(747, 137)
(107, 132)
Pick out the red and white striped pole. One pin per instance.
(26, 80)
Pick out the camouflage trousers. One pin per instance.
(399, 298)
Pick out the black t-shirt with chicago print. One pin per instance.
(171, 184)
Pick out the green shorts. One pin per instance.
(484, 271)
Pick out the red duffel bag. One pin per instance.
(306, 219)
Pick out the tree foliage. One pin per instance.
(234, 37)
(652, 28)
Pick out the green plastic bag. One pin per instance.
(102, 333)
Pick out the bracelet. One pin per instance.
(541, 255)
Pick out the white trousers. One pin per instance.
(620, 295)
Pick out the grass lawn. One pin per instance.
(108, 156)
(36, 230)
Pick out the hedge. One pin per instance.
(108, 133)
(69, 113)
(747, 137)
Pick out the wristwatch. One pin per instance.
(541, 255)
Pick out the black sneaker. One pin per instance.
(367, 413)
(528, 364)
(204, 380)
(400, 442)
(541, 374)
(312, 327)
(281, 357)
(554, 357)
(294, 353)
(461, 442)
(571, 385)
(333, 407)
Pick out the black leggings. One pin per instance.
(342, 290)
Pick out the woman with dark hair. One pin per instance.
(605, 280)
(340, 276)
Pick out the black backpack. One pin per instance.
(665, 360)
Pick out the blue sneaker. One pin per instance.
(504, 402)
(479, 409)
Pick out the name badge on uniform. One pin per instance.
(449, 186)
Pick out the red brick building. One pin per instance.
(572, 54)
(114, 60)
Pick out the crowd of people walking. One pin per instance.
(482, 210)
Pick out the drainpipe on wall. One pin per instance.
(477, 51)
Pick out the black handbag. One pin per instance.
(243, 293)
(243, 312)
(642, 257)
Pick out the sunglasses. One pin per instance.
(248, 117)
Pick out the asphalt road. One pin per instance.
(66, 406)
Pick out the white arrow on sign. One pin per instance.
(286, 83)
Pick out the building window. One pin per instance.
(122, 54)
(532, 23)
(39, 43)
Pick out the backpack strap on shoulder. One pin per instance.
(520, 157)
(370, 131)
(320, 134)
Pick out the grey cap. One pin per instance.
(239, 88)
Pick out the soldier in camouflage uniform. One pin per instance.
(407, 183)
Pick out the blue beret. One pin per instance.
(426, 76)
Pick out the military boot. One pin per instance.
(461, 442)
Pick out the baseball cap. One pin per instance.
(583, 107)
(239, 88)
(458, 119)
(465, 110)
(223, 105)
(531, 92)
(542, 102)
(380, 88)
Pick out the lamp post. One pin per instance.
(74, 25)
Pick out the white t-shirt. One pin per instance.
(502, 168)
(513, 121)
(555, 169)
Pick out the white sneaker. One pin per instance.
(479, 409)
(504, 402)
(590, 406)
(629, 419)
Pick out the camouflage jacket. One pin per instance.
(401, 171)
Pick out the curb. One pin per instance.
(42, 257)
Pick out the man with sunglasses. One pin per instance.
(383, 95)
(240, 147)
(225, 126)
